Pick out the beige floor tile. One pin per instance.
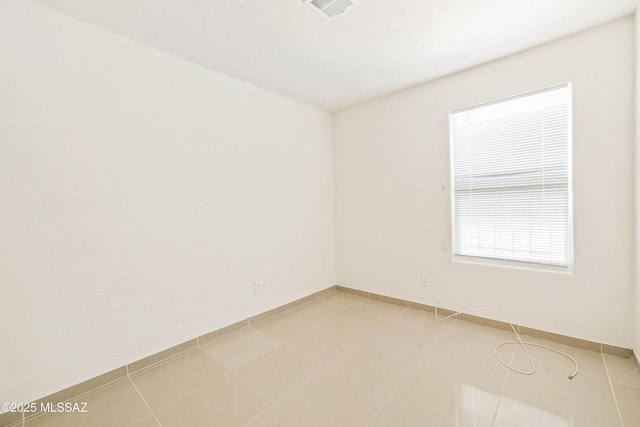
(628, 398)
(227, 401)
(11, 419)
(381, 366)
(176, 377)
(280, 371)
(406, 338)
(398, 413)
(275, 417)
(326, 342)
(286, 326)
(581, 421)
(343, 298)
(472, 361)
(241, 347)
(469, 350)
(512, 412)
(461, 379)
(424, 319)
(118, 404)
(549, 389)
(463, 331)
(476, 406)
(358, 322)
(381, 308)
(148, 421)
(334, 399)
(322, 310)
(622, 370)
(452, 395)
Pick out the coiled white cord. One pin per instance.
(518, 340)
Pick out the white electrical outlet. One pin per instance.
(258, 288)
(426, 280)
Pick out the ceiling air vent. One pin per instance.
(330, 8)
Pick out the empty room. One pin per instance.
(319, 213)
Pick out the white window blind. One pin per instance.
(511, 173)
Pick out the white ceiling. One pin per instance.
(376, 47)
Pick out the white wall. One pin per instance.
(140, 198)
(393, 197)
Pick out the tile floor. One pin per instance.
(346, 361)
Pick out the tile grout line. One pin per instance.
(287, 343)
(144, 400)
(190, 391)
(232, 371)
(258, 391)
(613, 393)
(196, 348)
(506, 377)
(504, 384)
(161, 362)
(250, 324)
(72, 398)
(201, 347)
(266, 397)
(412, 371)
(295, 336)
(292, 310)
(330, 365)
(326, 367)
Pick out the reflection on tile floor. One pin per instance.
(345, 360)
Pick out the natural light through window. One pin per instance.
(478, 407)
(511, 174)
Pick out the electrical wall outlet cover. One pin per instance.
(426, 280)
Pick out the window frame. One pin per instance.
(508, 263)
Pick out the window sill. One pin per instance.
(491, 262)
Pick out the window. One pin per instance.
(511, 179)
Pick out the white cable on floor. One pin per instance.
(523, 344)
